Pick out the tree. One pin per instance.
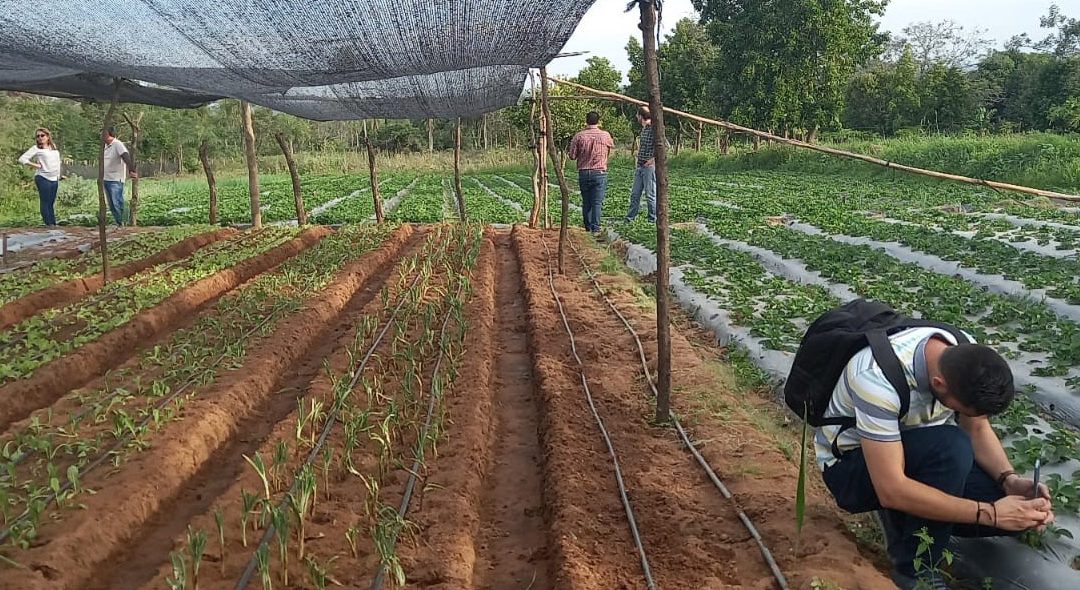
(885, 97)
(598, 73)
(944, 43)
(786, 65)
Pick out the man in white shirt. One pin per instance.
(118, 164)
(940, 466)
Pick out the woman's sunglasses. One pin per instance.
(42, 135)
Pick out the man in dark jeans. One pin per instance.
(941, 467)
(590, 148)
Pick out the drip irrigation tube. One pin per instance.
(403, 509)
(600, 423)
(765, 553)
(120, 443)
(268, 536)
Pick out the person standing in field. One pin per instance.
(590, 148)
(45, 158)
(118, 164)
(645, 172)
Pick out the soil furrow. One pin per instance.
(81, 549)
(70, 291)
(52, 380)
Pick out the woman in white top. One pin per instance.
(46, 159)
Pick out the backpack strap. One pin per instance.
(955, 332)
(887, 360)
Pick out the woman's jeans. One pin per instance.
(47, 198)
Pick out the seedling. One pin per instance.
(280, 519)
(262, 560)
(219, 521)
(196, 547)
(249, 502)
(260, 468)
(178, 581)
(351, 536)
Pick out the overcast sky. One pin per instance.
(606, 28)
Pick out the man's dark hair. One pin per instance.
(978, 377)
(111, 131)
(592, 118)
(644, 113)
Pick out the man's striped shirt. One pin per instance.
(865, 394)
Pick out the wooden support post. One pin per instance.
(105, 124)
(252, 164)
(663, 296)
(136, 131)
(373, 175)
(564, 190)
(204, 156)
(534, 215)
(457, 171)
(430, 135)
(298, 197)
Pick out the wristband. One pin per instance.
(1004, 475)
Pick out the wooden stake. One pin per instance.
(663, 296)
(105, 124)
(759, 135)
(373, 174)
(457, 171)
(298, 197)
(252, 164)
(134, 150)
(430, 135)
(559, 174)
(204, 156)
(534, 215)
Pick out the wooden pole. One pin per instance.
(134, 150)
(298, 197)
(663, 296)
(534, 215)
(204, 156)
(457, 171)
(105, 124)
(252, 164)
(373, 174)
(759, 135)
(559, 174)
(430, 135)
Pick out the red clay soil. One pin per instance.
(80, 545)
(691, 534)
(54, 379)
(70, 291)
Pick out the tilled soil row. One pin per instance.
(79, 545)
(52, 380)
(72, 290)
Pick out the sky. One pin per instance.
(606, 27)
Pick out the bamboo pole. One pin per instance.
(663, 296)
(759, 135)
(290, 161)
(204, 157)
(252, 164)
(373, 174)
(134, 150)
(457, 171)
(559, 173)
(105, 124)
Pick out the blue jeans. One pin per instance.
(593, 184)
(46, 190)
(114, 195)
(644, 180)
(938, 456)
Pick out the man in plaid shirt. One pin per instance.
(645, 173)
(591, 148)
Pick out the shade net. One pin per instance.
(323, 59)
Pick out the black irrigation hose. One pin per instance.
(765, 553)
(600, 423)
(120, 443)
(380, 575)
(268, 536)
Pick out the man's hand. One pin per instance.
(133, 174)
(1018, 486)
(1014, 513)
(649, 163)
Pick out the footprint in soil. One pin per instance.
(50, 573)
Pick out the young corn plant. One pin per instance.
(178, 581)
(302, 502)
(262, 560)
(327, 463)
(352, 534)
(260, 468)
(219, 521)
(281, 456)
(317, 573)
(249, 502)
(196, 547)
(280, 519)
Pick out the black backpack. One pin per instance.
(829, 344)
